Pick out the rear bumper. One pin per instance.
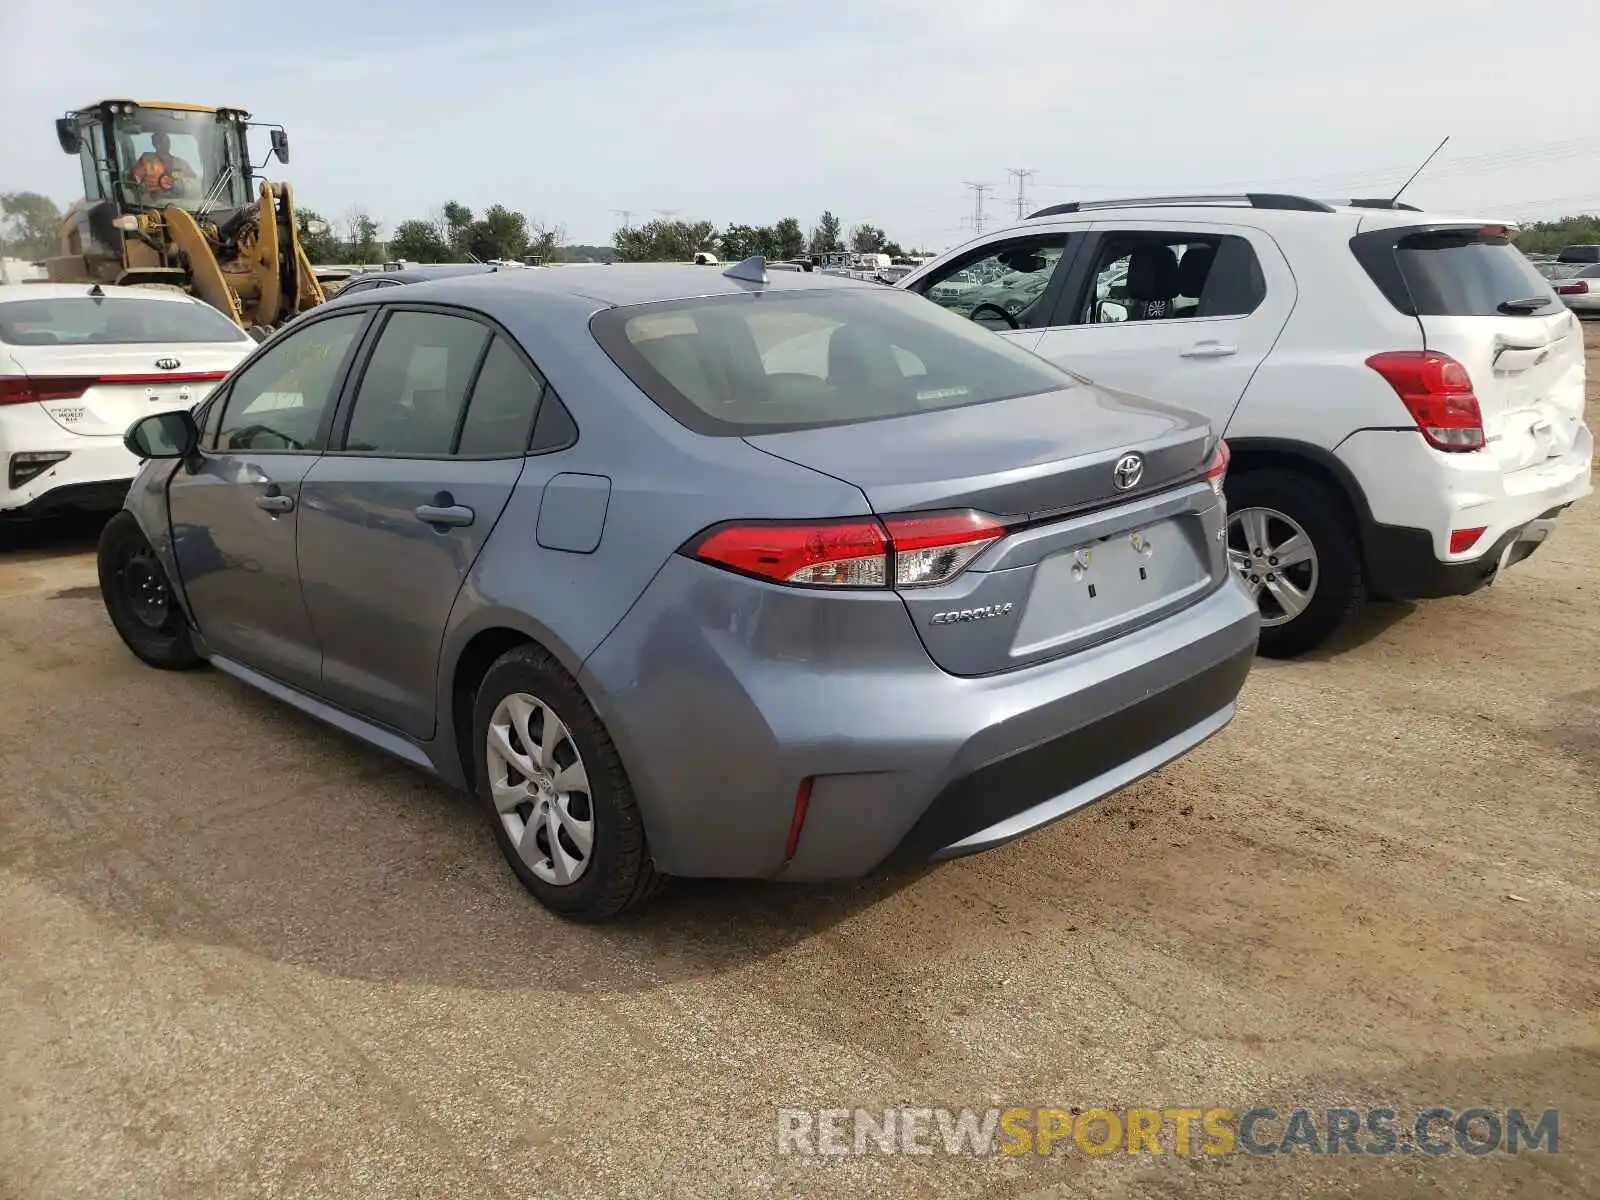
(719, 725)
(94, 475)
(1401, 565)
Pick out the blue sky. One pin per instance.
(749, 110)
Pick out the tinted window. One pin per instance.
(1449, 275)
(1589, 272)
(121, 320)
(1586, 254)
(786, 360)
(278, 401)
(554, 428)
(415, 384)
(1152, 277)
(504, 399)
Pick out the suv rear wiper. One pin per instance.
(1522, 307)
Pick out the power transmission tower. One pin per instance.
(978, 192)
(627, 216)
(1022, 176)
(668, 213)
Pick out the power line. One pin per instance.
(978, 192)
(627, 216)
(1022, 175)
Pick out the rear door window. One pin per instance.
(415, 384)
(501, 411)
(1149, 276)
(112, 321)
(764, 362)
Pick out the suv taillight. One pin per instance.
(1437, 391)
(861, 552)
(1217, 472)
(1578, 287)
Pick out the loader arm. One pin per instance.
(205, 273)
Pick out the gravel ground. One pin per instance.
(242, 955)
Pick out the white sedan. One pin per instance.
(1581, 291)
(79, 364)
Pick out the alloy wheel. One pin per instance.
(1275, 560)
(540, 788)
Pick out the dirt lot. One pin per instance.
(242, 955)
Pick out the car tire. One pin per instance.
(140, 600)
(525, 689)
(1291, 503)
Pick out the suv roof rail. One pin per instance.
(1275, 200)
(1381, 203)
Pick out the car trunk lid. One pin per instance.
(1083, 558)
(101, 390)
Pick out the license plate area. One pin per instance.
(1113, 581)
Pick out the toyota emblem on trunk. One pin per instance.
(168, 364)
(1128, 471)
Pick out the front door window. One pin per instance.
(1003, 287)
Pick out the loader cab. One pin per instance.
(146, 156)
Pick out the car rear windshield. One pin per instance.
(1461, 271)
(762, 362)
(112, 321)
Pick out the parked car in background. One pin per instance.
(1579, 254)
(1408, 425)
(418, 273)
(696, 572)
(1580, 291)
(79, 363)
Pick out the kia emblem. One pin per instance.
(1128, 471)
(168, 364)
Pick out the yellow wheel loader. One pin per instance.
(171, 199)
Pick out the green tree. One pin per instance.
(1547, 237)
(500, 233)
(361, 236)
(545, 241)
(868, 239)
(825, 237)
(458, 227)
(29, 225)
(664, 241)
(788, 240)
(418, 241)
(894, 250)
(320, 247)
(740, 242)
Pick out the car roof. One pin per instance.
(613, 286)
(422, 271)
(60, 291)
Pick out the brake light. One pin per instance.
(1578, 287)
(1217, 472)
(31, 389)
(1437, 391)
(918, 550)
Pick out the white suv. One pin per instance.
(1403, 393)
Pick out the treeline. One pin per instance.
(679, 241)
(450, 233)
(1547, 237)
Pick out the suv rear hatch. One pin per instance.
(1479, 301)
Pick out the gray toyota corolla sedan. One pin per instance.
(695, 572)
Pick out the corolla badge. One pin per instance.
(167, 364)
(1128, 471)
(970, 614)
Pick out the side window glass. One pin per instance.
(504, 400)
(278, 402)
(1004, 289)
(554, 428)
(1159, 277)
(415, 384)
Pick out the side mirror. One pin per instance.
(67, 135)
(163, 435)
(280, 145)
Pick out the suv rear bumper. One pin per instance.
(1401, 566)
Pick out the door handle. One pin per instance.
(1208, 350)
(442, 515)
(275, 501)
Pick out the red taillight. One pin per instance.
(1578, 287)
(802, 801)
(1217, 472)
(1462, 540)
(906, 551)
(1437, 391)
(30, 389)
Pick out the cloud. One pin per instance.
(750, 110)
